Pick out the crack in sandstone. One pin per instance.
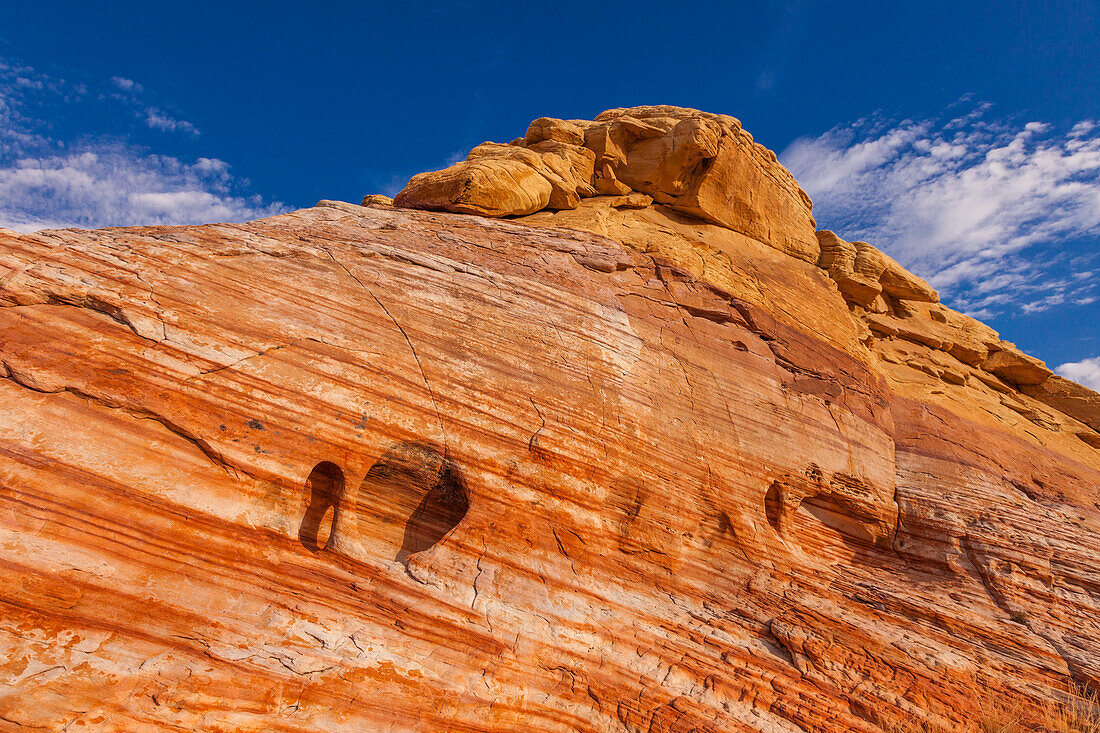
(91, 303)
(476, 578)
(533, 441)
(714, 378)
(204, 447)
(561, 548)
(155, 299)
(423, 375)
(215, 370)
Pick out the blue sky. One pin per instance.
(961, 138)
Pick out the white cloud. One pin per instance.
(114, 185)
(126, 85)
(1086, 372)
(47, 182)
(159, 120)
(131, 94)
(394, 185)
(993, 214)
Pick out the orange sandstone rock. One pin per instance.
(1068, 397)
(377, 199)
(1016, 367)
(697, 163)
(863, 273)
(611, 468)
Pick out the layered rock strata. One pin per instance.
(645, 462)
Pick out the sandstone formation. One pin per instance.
(376, 199)
(864, 274)
(1068, 397)
(644, 457)
(694, 162)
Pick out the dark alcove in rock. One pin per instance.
(409, 500)
(325, 485)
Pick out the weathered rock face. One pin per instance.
(695, 162)
(613, 467)
(864, 274)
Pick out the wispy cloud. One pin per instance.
(126, 85)
(1000, 216)
(158, 119)
(1086, 372)
(789, 29)
(116, 184)
(132, 96)
(49, 182)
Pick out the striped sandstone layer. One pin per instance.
(612, 467)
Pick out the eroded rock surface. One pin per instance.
(619, 466)
(695, 162)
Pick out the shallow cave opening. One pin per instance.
(440, 511)
(839, 518)
(325, 486)
(773, 506)
(409, 500)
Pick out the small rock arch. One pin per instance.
(325, 487)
